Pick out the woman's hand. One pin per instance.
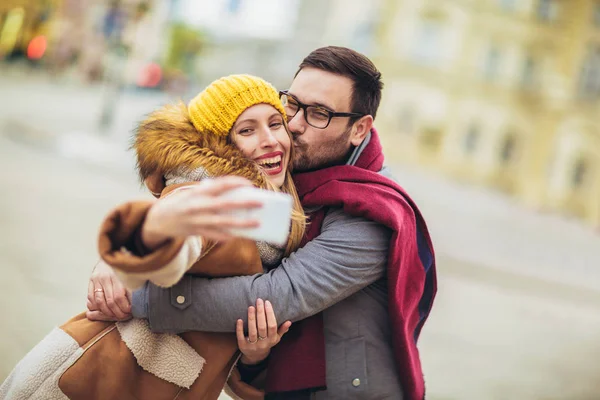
(262, 333)
(107, 298)
(197, 210)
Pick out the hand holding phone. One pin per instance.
(274, 215)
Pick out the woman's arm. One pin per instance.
(160, 241)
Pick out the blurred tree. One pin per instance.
(185, 45)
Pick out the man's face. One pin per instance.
(319, 148)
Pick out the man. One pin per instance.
(362, 287)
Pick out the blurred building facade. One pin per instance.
(84, 34)
(297, 28)
(502, 93)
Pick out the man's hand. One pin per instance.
(107, 298)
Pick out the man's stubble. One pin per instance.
(323, 155)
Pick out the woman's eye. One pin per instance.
(276, 125)
(246, 131)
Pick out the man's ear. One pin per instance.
(361, 128)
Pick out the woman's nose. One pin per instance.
(268, 139)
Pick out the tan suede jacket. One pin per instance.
(92, 360)
(118, 236)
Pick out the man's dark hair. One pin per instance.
(367, 84)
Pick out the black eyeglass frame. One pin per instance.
(303, 107)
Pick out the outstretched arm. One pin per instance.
(348, 255)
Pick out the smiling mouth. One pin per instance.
(271, 165)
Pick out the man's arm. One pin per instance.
(348, 255)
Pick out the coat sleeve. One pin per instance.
(348, 255)
(121, 247)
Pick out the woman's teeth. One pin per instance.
(270, 162)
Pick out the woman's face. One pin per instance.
(260, 134)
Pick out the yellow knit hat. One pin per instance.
(218, 106)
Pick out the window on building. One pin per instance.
(431, 138)
(529, 73)
(547, 10)
(579, 175)
(491, 67)
(508, 149)
(596, 14)
(427, 48)
(589, 80)
(407, 119)
(233, 6)
(363, 34)
(471, 139)
(508, 5)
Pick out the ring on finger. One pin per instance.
(99, 290)
(251, 342)
(261, 338)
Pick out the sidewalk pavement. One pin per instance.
(482, 227)
(474, 225)
(64, 115)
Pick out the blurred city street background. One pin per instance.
(489, 120)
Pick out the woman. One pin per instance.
(236, 126)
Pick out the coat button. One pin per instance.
(356, 382)
(180, 299)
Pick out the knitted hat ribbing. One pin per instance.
(216, 109)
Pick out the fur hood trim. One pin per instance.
(167, 141)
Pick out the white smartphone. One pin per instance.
(274, 215)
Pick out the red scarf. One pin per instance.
(298, 361)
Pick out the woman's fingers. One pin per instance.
(101, 287)
(109, 295)
(100, 316)
(120, 296)
(102, 307)
(261, 324)
(97, 316)
(271, 320)
(128, 294)
(91, 301)
(275, 333)
(219, 205)
(252, 331)
(208, 233)
(223, 222)
(284, 328)
(100, 300)
(218, 186)
(261, 320)
(239, 333)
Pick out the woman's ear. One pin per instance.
(155, 183)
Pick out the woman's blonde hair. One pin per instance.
(298, 224)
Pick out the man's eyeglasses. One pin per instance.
(316, 116)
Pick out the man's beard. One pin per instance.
(326, 155)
